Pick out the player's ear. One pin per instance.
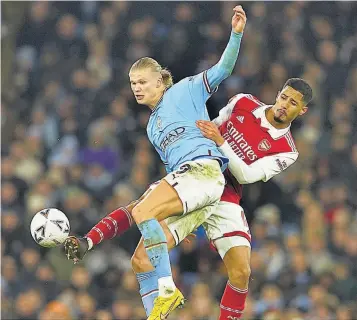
(159, 82)
(303, 110)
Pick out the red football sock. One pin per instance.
(114, 224)
(232, 303)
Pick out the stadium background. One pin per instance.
(74, 138)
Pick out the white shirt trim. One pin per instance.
(273, 132)
(259, 112)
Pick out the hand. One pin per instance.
(239, 19)
(210, 131)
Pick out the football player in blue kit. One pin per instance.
(194, 163)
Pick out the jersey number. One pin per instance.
(183, 168)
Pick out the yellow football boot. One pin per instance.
(164, 306)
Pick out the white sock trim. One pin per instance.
(230, 309)
(237, 289)
(166, 287)
(90, 243)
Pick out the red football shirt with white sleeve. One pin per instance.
(256, 149)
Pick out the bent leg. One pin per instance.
(146, 274)
(237, 262)
(160, 203)
(112, 225)
(140, 261)
(196, 184)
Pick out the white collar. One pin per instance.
(274, 132)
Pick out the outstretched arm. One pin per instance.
(208, 81)
(223, 69)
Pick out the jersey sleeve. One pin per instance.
(225, 112)
(260, 170)
(207, 82)
(273, 165)
(200, 85)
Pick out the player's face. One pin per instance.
(146, 86)
(289, 105)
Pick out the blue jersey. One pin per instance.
(172, 129)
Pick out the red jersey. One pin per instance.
(254, 140)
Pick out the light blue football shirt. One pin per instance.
(172, 129)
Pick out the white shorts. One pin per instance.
(225, 225)
(181, 226)
(198, 183)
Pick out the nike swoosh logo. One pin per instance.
(165, 315)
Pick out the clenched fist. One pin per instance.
(239, 19)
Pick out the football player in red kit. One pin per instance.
(257, 140)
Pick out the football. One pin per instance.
(49, 227)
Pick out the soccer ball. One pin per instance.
(49, 227)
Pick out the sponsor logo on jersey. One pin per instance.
(264, 145)
(281, 164)
(240, 119)
(238, 143)
(171, 137)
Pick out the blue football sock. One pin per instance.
(149, 289)
(155, 244)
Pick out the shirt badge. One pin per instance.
(264, 145)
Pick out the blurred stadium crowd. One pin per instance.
(74, 138)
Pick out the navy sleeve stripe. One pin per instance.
(205, 81)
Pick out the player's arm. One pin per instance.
(223, 69)
(261, 170)
(209, 80)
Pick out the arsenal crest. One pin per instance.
(264, 145)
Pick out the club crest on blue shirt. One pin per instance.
(159, 123)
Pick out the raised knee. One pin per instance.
(138, 214)
(131, 206)
(239, 274)
(142, 213)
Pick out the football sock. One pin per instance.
(155, 244)
(114, 224)
(148, 289)
(232, 303)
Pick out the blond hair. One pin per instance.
(151, 63)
